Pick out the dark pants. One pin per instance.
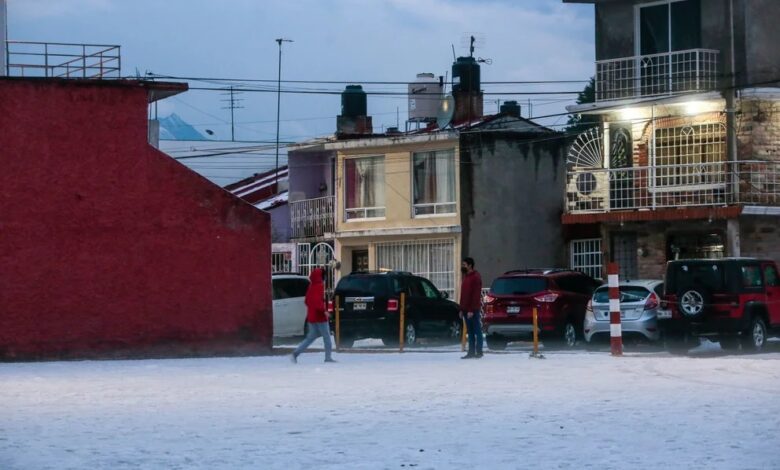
(474, 329)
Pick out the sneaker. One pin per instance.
(294, 358)
(331, 360)
(469, 356)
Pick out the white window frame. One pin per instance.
(435, 205)
(689, 172)
(638, 28)
(438, 268)
(582, 249)
(363, 210)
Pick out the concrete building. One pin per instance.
(110, 247)
(686, 160)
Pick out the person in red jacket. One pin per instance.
(316, 316)
(471, 307)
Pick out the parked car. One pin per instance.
(369, 306)
(735, 301)
(560, 296)
(639, 302)
(289, 292)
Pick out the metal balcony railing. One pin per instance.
(657, 74)
(754, 182)
(312, 218)
(62, 60)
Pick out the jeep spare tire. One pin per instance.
(693, 302)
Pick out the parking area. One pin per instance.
(424, 408)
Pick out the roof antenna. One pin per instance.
(453, 52)
(471, 47)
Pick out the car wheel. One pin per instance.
(455, 330)
(496, 343)
(569, 334)
(729, 343)
(754, 339)
(410, 334)
(693, 302)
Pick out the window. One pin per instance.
(431, 259)
(430, 291)
(289, 288)
(751, 276)
(673, 26)
(433, 181)
(770, 276)
(690, 156)
(365, 187)
(627, 294)
(518, 285)
(586, 256)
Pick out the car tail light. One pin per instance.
(549, 297)
(489, 299)
(652, 302)
(589, 307)
(392, 305)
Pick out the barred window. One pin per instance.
(431, 259)
(692, 155)
(586, 256)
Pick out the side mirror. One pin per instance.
(445, 295)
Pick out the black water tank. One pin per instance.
(465, 75)
(353, 101)
(510, 108)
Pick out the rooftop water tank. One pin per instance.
(425, 94)
(353, 101)
(465, 75)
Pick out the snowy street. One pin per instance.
(426, 409)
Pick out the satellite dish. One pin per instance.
(445, 112)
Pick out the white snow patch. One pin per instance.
(417, 409)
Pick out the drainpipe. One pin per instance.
(732, 225)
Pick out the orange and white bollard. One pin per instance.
(615, 328)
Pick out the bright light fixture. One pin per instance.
(694, 107)
(630, 114)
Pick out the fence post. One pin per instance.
(615, 329)
(401, 321)
(337, 321)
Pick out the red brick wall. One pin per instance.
(107, 244)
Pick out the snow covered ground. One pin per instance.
(427, 409)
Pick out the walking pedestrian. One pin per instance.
(471, 307)
(316, 316)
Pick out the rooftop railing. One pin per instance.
(657, 74)
(62, 60)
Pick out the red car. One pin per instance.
(560, 296)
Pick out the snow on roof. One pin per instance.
(261, 186)
(276, 201)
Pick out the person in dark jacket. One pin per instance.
(316, 316)
(471, 307)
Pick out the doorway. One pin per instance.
(359, 260)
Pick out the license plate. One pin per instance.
(513, 310)
(663, 314)
(359, 306)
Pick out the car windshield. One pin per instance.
(518, 285)
(361, 284)
(627, 294)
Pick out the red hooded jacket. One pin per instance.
(315, 298)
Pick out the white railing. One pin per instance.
(312, 218)
(754, 182)
(657, 74)
(63, 60)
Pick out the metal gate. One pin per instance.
(320, 255)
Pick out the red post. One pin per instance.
(615, 329)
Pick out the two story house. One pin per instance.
(686, 159)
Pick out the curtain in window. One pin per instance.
(434, 177)
(365, 178)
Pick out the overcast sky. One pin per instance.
(339, 40)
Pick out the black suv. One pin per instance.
(736, 301)
(369, 304)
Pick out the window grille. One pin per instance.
(586, 256)
(431, 259)
(690, 155)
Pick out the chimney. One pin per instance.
(3, 37)
(353, 119)
(510, 108)
(466, 90)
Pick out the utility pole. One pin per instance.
(279, 101)
(232, 105)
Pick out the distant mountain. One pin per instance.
(174, 127)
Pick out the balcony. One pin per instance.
(750, 183)
(62, 60)
(657, 74)
(313, 218)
